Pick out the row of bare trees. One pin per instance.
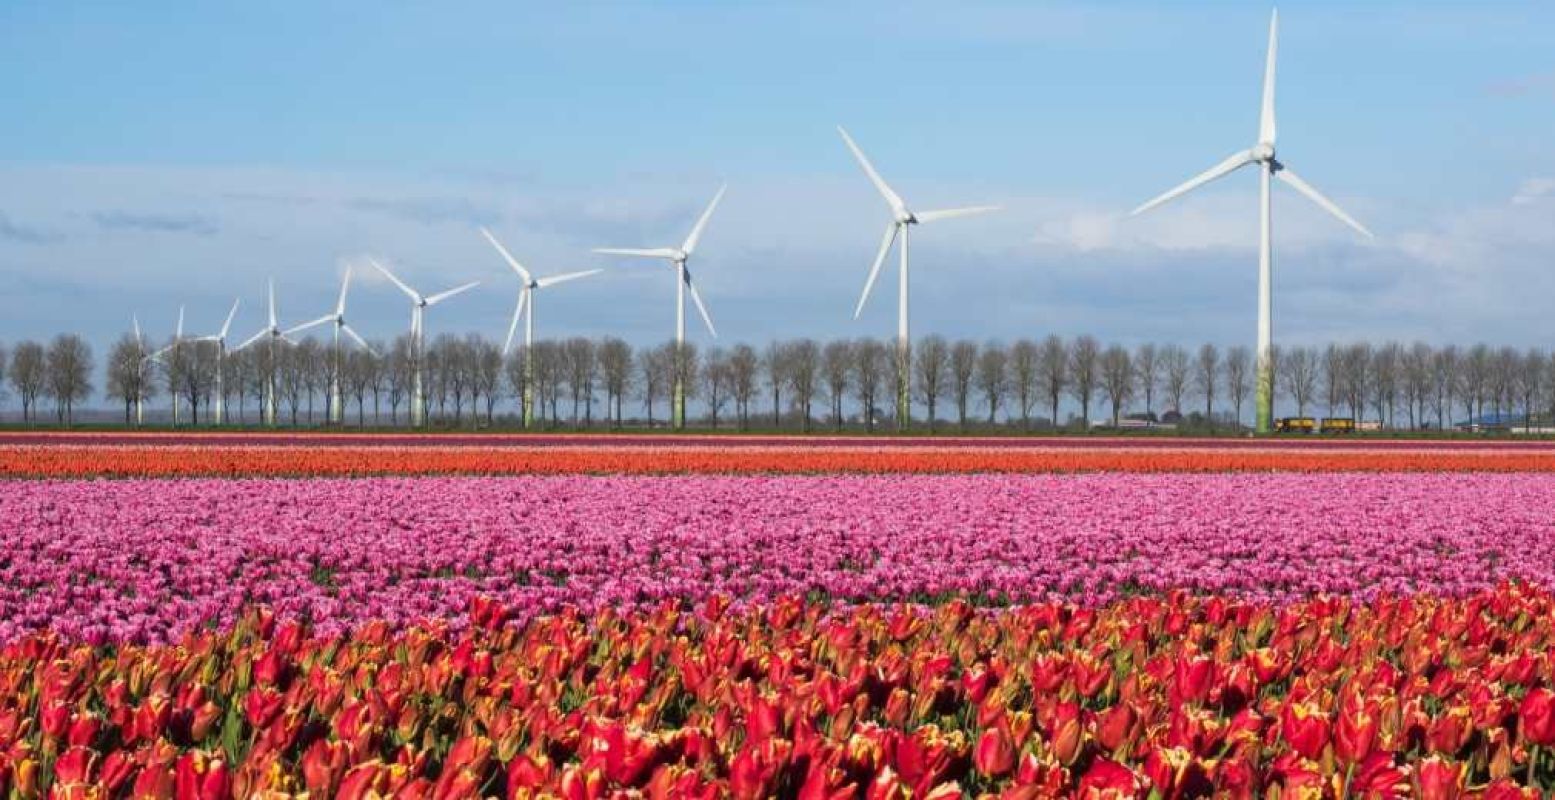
(801, 383)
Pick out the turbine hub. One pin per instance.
(1263, 152)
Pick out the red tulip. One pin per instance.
(1305, 728)
(1115, 727)
(1537, 717)
(262, 706)
(1438, 779)
(1356, 732)
(994, 755)
(1065, 734)
(1108, 778)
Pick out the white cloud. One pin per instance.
(1533, 190)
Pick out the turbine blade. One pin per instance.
(696, 231)
(552, 280)
(362, 343)
(891, 197)
(512, 262)
(135, 323)
(696, 297)
(272, 303)
(1266, 121)
(441, 296)
(952, 213)
(250, 340)
(1284, 174)
(874, 271)
(225, 326)
(518, 311)
(345, 285)
(1241, 158)
(178, 333)
(654, 252)
(409, 292)
(307, 325)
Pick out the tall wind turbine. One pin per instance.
(901, 219)
(1262, 154)
(141, 359)
(526, 308)
(418, 307)
(272, 330)
(176, 348)
(338, 316)
(678, 256)
(221, 364)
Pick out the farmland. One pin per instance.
(200, 615)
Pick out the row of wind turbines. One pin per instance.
(1261, 154)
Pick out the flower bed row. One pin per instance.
(1161, 698)
(88, 460)
(146, 560)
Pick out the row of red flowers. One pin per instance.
(1165, 697)
(86, 460)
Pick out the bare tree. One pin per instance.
(963, 362)
(1206, 376)
(774, 365)
(1356, 364)
(582, 365)
(743, 367)
(69, 368)
(1147, 371)
(29, 376)
(486, 370)
(1298, 374)
(1053, 373)
(516, 372)
(1444, 384)
(992, 376)
(1025, 358)
(615, 366)
(1117, 379)
(1238, 369)
(870, 365)
(1384, 383)
(655, 368)
(930, 363)
(1083, 358)
(804, 362)
(126, 378)
(837, 365)
(1416, 374)
(1176, 371)
(716, 379)
(1333, 376)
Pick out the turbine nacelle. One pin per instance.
(1262, 152)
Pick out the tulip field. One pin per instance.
(447, 616)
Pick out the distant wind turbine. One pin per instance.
(338, 316)
(678, 256)
(176, 348)
(526, 308)
(276, 336)
(220, 339)
(418, 306)
(901, 219)
(1262, 154)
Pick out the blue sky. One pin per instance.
(163, 153)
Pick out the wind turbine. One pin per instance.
(338, 316)
(141, 359)
(221, 363)
(272, 330)
(678, 256)
(901, 219)
(526, 308)
(418, 306)
(1262, 154)
(174, 347)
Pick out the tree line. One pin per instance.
(1028, 384)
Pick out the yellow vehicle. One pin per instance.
(1295, 425)
(1338, 425)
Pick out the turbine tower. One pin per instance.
(678, 256)
(276, 336)
(526, 309)
(338, 316)
(220, 339)
(1269, 167)
(901, 219)
(418, 307)
(141, 359)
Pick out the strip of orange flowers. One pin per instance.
(79, 461)
(1164, 697)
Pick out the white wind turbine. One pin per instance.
(1262, 154)
(678, 256)
(526, 308)
(221, 364)
(418, 306)
(142, 358)
(901, 219)
(272, 330)
(338, 316)
(176, 348)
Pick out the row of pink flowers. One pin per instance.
(145, 560)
